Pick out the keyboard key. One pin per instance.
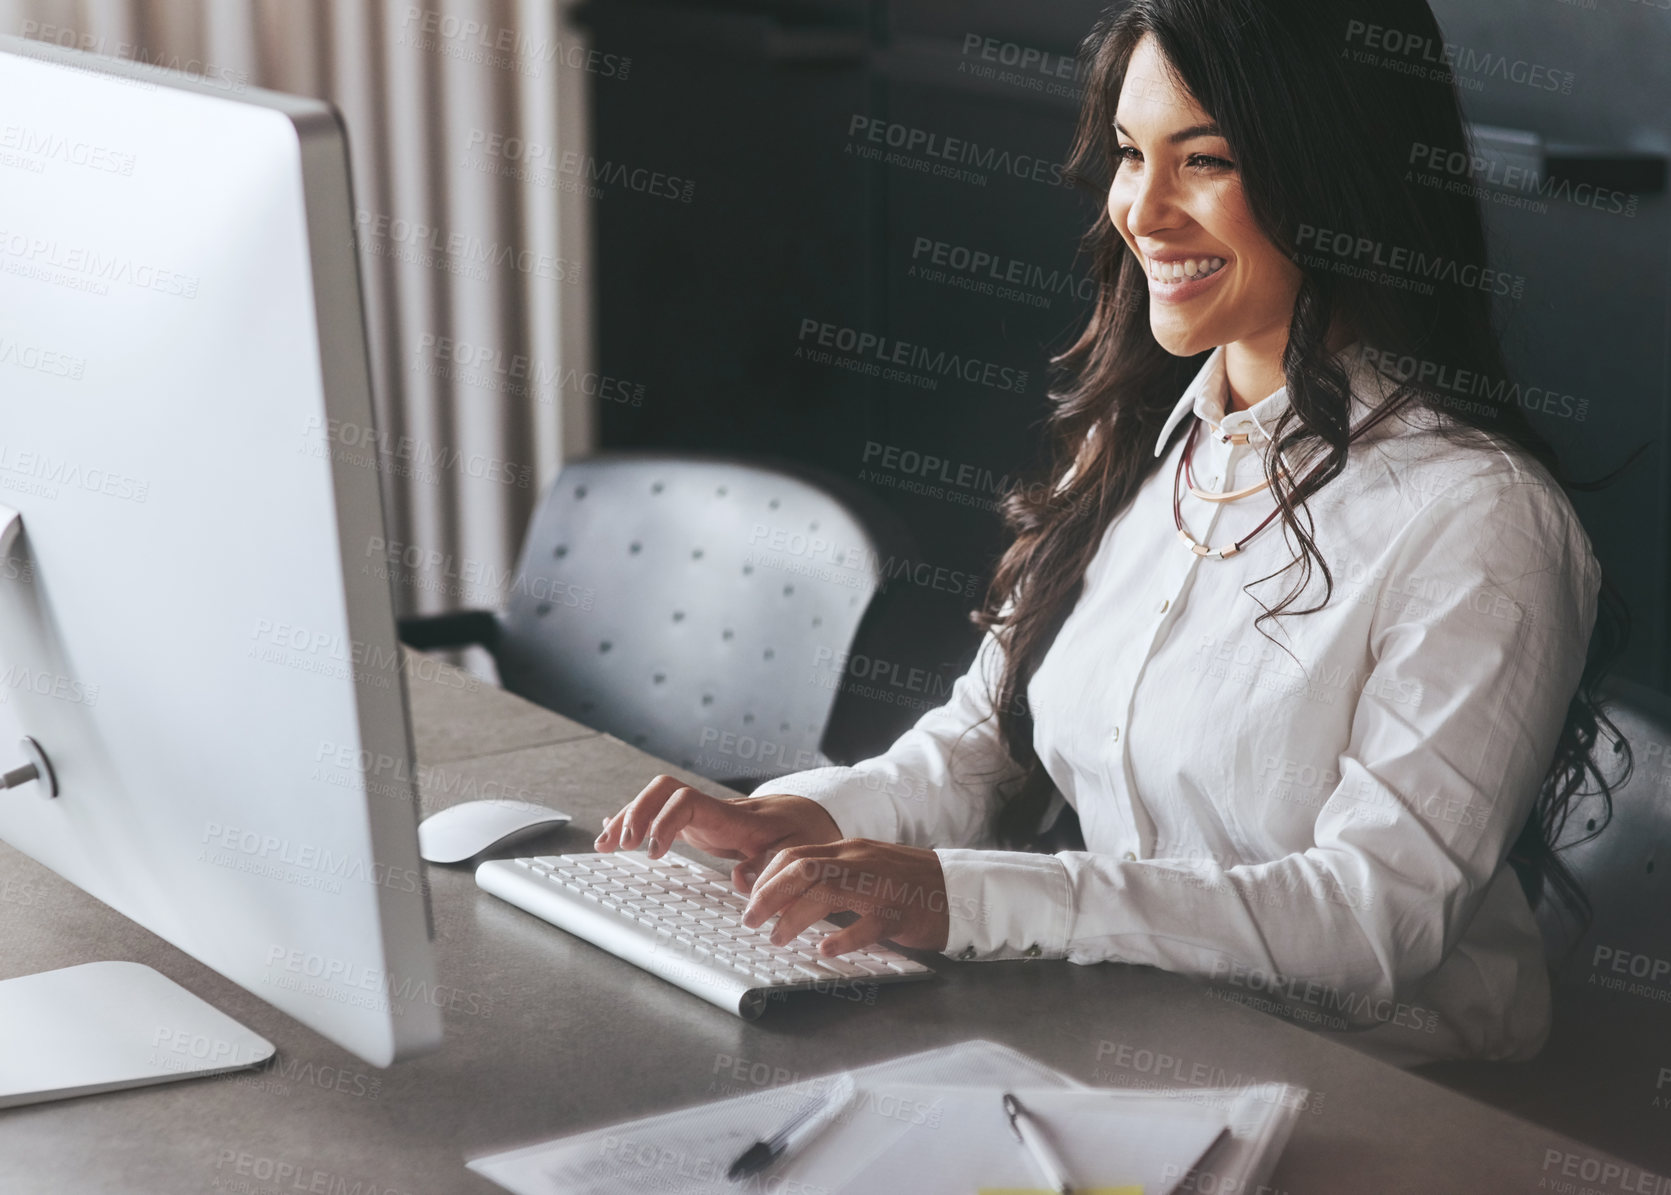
(693, 914)
(842, 967)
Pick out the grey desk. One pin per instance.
(546, 1035)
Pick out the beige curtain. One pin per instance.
(476, 263)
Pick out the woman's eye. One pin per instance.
(1128, 153)
(1208, 162)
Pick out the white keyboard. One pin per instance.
(683, 922)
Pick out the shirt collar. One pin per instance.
(1207, 396)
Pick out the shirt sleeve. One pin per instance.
(941, 783)
(916, 793)
(1484, 616)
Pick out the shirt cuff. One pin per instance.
(1006, 904)
(858, 809)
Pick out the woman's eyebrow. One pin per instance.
(1190, 134)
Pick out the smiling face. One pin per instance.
(1177, 201)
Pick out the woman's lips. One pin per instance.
(1171, 282)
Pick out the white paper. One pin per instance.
(689, 1151)
(1104, 1139)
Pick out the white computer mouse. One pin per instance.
(456, 834)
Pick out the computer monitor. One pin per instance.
(190, 636)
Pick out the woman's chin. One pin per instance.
(1180, 340)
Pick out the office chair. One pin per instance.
(702, 608)
(1597, 1076)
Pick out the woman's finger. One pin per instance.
(866, 931)
(750, 869)
(807, 909)
(785, 878)
(641, 811)
(675, 815)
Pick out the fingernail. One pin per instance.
(650, 844)
(600, 839)
(751, 876)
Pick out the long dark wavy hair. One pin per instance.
(1322, 140)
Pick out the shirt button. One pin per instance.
(1033, 951)
(1164, 604)
(967, 953)
(1129, 857)
(1116, 734)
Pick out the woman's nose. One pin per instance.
(1153, 205)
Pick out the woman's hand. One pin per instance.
(750, 829)
(899, 893)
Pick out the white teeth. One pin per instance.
(1191, 268)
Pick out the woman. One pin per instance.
(1304, 648)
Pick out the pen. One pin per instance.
(1026, 1131)
(813, 1118)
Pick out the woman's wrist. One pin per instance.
(813, 823)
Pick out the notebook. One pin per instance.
(954, 1088)
(689, 1150)
(1110, 1142)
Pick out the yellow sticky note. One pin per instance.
(1077, 1191)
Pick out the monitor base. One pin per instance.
(108, 1026)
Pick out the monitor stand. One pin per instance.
(103, 1026)
(107, 1026)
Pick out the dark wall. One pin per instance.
(795, 234)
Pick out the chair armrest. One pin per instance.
(457, 628)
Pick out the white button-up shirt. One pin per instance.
(1319, 825)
